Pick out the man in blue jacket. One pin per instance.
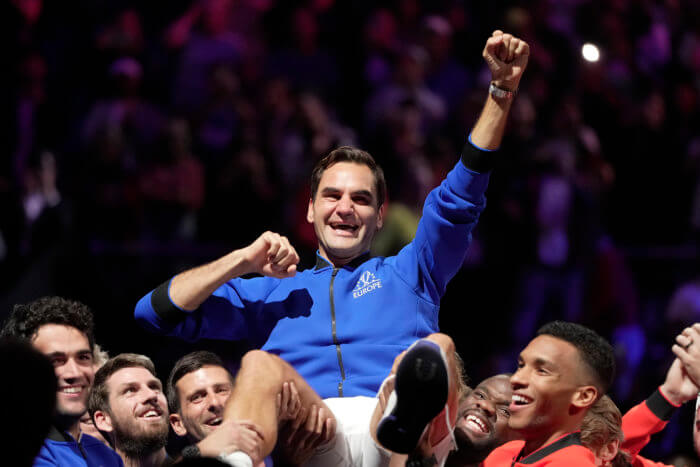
(62, 330)
(341, 324)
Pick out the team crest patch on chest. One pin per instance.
(366, 284)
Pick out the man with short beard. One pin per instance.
(128, 406)
(482, 425)
(198, 388)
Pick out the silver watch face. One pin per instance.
(498, 92)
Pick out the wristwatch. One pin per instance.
(190, 451)
(500, 92)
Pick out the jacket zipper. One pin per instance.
(335, 337)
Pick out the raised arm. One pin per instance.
(452, 210)
(270, 255)
(506, 57)
(652, 415)
(687, 349)
(201, 302)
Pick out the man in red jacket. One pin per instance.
(652, 415)
(611, 436)
(561, 374)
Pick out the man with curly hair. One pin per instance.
(62, 330)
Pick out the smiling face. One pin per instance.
(138, 413)
(549, 393)
(484, 413)
(202, 394)
(345, 212)
(69, 351)
(483, 419)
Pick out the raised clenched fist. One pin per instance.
(507, 57)
(271, 255)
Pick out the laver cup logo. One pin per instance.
(365, 284)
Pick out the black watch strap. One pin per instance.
(421, 462)
(191, 451)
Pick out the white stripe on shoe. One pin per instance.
(237, 459)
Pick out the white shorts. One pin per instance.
(353, 445)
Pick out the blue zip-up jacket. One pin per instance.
(341, 328)
(60, 449)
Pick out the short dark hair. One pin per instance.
(99, 394)
(186, 365)
(26, 319)
(595, 351)
(356, 156)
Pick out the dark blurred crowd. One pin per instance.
(145, 137)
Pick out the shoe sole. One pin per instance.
(422, 385)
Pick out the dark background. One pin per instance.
(147, 137)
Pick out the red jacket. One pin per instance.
(566, 451)
(642, 421)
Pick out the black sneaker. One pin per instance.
(422, 386)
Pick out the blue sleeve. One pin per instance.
(228, 314)
(105, 456)
(44, 459)
(444, 232)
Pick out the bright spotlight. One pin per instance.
(590, 52)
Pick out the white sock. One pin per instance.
(237, 459)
